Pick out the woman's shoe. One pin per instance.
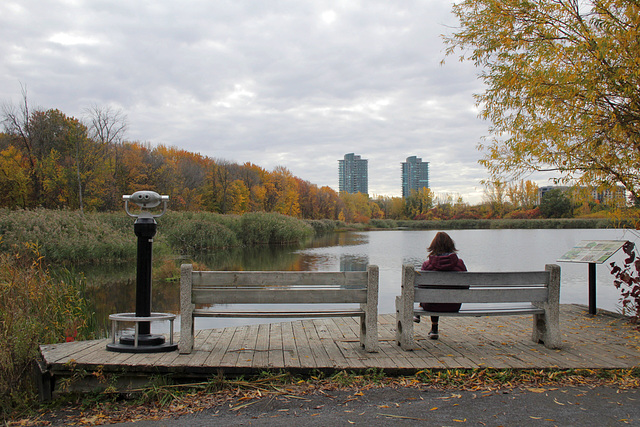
(416, 319)
(433, 335)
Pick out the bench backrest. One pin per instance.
(278, 287)
(481, 287)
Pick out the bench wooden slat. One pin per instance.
(483, 295)
(276, 314)
(279, 278)
(518, 278)
(494, 311)
(280, 296)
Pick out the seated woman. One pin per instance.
(442, 257)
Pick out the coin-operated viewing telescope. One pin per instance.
(142, 341)
(146, 200)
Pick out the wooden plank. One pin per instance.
(473, 278)
(169, 358)
(248, 347)
(54, 353)
(391, 355)
(302, 345)
(261, 354)
(230, 357)
(203, 346)
(291, 358)
(280, 278)
(276, 347)
(320, 354)
(357, 356)
(478, 295)
(96, 354)
(278, 296)
(277, 313)
(323, 330)
(84, 353)
(444, 351)
(345, 342)
(220, 347)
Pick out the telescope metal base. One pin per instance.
(141, 342)
(146, 344)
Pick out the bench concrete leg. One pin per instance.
(369, 323)
(404, 310)
(185, 346)
(546, 327)
(404, 328)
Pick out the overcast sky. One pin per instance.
(279, 82)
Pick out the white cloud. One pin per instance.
(289, 83)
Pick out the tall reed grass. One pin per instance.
(322, 226)
(64, 235)
(73, 238)
(272, 228)
(35, 308)
(199, 232)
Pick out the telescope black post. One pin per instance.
(145, 228)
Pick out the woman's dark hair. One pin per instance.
(442, 244)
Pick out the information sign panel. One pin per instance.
(592, 251)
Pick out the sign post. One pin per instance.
(592, 252)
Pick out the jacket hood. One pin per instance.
(446, 262)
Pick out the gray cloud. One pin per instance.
(286, 82)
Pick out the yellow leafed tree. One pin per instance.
(562, 86)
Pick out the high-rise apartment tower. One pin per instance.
(415, 175)
(353, 175)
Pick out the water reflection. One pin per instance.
(113, 287)
(353, 263)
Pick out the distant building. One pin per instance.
(353, 174)
(415, 175)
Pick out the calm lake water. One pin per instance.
(481, 250)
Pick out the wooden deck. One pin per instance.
(602, 341)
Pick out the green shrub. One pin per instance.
(35, 308)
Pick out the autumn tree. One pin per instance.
(562, 85)
(107, 127)
(555, 204)
(495, 196)
(418, 203)
(17, 124)
(282, 194)
(14, 179)
(523, 194)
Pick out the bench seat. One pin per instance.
(489, 311)
(277, 314)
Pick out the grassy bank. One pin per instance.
(485, 224)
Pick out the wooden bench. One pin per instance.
(536, 292)
(224, 288)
